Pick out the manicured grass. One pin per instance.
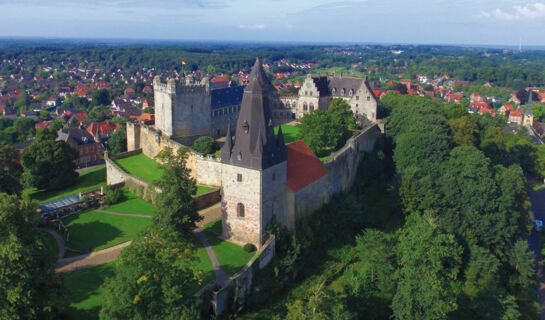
(83, 295)
(148, 169)
(290, 133)
(87, 181)
(91, 230)
(132, 204)
(230, 256)
(50, 244)
(141, 166)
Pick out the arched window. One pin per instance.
(343, 91)
(351, 92)
(305, 107)
(312, 107)
(240, 210)
(334, 90)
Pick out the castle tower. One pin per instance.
(529, 114)
(254, 165)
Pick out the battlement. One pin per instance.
(187, 85)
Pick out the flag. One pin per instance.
(183, 62)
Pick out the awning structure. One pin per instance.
(54, 205)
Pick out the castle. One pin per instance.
(261, 178)
(188, 109)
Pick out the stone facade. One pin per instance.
(317, 92)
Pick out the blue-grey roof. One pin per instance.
(227, 97)
(48, 207)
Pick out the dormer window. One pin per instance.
(351, 92)
(343, 91)
(334, 91)
(245, 126)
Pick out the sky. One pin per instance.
(485, 22)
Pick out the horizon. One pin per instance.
(466, 23)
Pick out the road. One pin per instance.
(534, 241)
(532, 133)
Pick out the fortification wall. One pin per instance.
(115, 175)
(239, 287)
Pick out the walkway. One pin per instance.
(60, 241)
(221, 277)
(110, 254)
(89, 260)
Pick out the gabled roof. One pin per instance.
(304, 167)
(104, 127)
(80, 136)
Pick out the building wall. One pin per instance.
(364, 103)
(273, 184)
(245, 229)
(163, 96)
(192, 109)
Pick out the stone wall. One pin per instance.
(239, 287)
(115, 175)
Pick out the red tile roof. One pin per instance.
(303, 166)
(104, 127)
(219, 79)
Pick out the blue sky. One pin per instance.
(385, 21)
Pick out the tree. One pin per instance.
(465, 131)
(153, 279)
(176, 207)
(29, 287)
(25, 128)
(205, 145)
(10, 179)
(430, 262)
(342, 114)
(320, 304)
(23, 102)
(101, 97)
(44, 115)
(210, 69)
(44, 134)
(118, 141)
(320, 132)
(98, 113)
(49, 165)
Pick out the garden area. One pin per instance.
(291, 133)
(92, 230)
(148, 169)
(131, 204)
(87, 181)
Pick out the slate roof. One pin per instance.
(321, 84)
(346, 83)
(80, 136)
(304, 167)
(227, 97)
(256, 146)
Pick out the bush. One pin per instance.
(205, 145)
(249, 247)
(112, 195)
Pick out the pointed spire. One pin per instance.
(530, 98)
(280, 138)
(228, 146)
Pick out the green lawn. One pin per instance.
(141, 166)
(50, 244)
(83, 296)
(148, 169)
(230, 256)
(87, 181)
(132, 204)
(290, 133)
(91, 230)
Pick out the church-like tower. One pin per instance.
(254, 165)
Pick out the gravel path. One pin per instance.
(221, 277)
(124, 214)
(60, 241)
(89, 260)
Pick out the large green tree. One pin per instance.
(118, 141)
(29, 287)
(176, 207)
(49, 164)
(10, 178)
(155, 278)
(320, 132)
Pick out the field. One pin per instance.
(87, 181)
(148, 169)
(91, 230)
(230, 256)
(132, 204)
(83, 296)
(290, 133)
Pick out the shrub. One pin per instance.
(249, 247)
(205, 145)
(112, 195)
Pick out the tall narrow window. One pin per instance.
(240, 210)
(239, 177)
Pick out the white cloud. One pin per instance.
(530, 11)
(260, 26)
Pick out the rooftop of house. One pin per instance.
(226, 97)
(80, 136)
(304, 167)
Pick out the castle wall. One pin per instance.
(163, 97)
(192, 111)
(273, 185)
